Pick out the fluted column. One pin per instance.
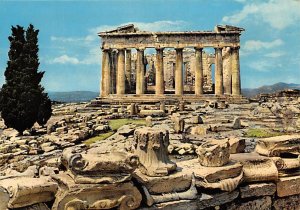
(236, 80)
(198, 72)
(159, 75)
(227, 69)
(140, 69)
(179, 72)
(218, 72)
(113, 71)
(128, 71)
(105, 79)
(121, 72)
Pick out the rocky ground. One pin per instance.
(212, 133)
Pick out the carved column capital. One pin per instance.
(235, 48)
(218, 48)
(121, 49)
(106, 49)
(159, 48)
(179, 49)
(198, 48)
(140, 49)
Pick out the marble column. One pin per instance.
(105, 81)
(198, 72)
(218, 72)
(128, 71)
(227, 68)
(113, 70)
(140, 69)
(236, 80)
(121, 72)
(159, 75)
(179, 72)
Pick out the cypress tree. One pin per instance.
(22, 100)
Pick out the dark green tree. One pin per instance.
(22, 100)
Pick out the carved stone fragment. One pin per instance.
(15, 192)
(237, 145)
(237, 123)
(256, 167)
(179, 125)
(100, 168)
(189, 194)
(74, 196)
(214, 153)
(225, 178)
(133, 109)
(176, 182)
(151, 147)
(275, 146)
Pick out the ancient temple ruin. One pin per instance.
(153, 66)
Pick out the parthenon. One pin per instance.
(136, 76)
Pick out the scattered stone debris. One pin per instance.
(207, 157)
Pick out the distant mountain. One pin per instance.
(73, 96)
(248, 92)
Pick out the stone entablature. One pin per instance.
(118, 68)
(221, 37)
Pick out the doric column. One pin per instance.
(179, 72)
(236, 79)
(113, 70)
(159, 75)
(140, 68)
(121, 72)
(227, 68)
(198, 72)
(128, 71)
(105, 80)
(218, 72)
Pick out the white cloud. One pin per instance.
(275, 54)
(65, 59)
(88, 38)
(89, 50)
(164, 25)
(238, 17)
(265, 65)
(93, 57)
(279, 14)
(255, 45)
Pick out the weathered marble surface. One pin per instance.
(15, 191)
(95, 196)
(100, 168)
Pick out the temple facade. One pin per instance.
(170, 64)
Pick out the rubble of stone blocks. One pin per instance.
(182, 160)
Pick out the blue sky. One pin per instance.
(70, 48)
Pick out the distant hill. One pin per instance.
(73, 96)
(84, 96)
(248, 92)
